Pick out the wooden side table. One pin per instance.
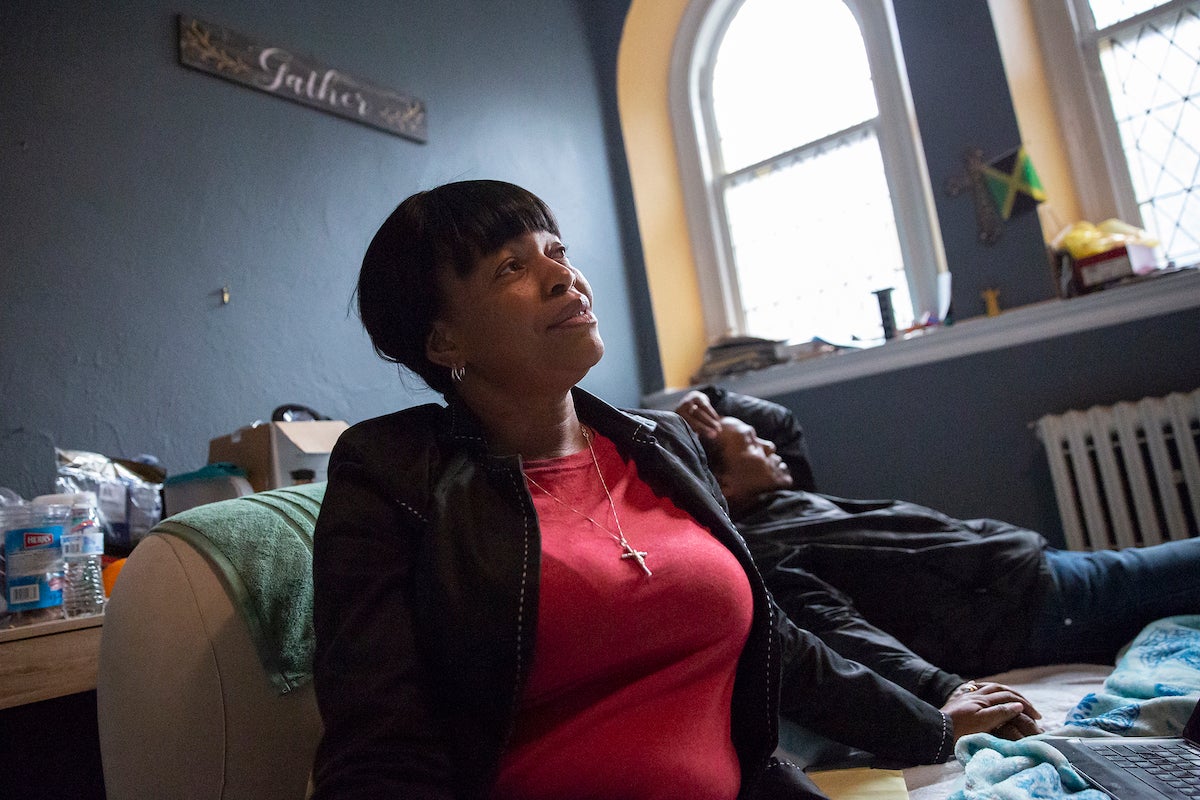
(48, 659)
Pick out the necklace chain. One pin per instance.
(627, 550)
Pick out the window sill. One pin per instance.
(1037, 322)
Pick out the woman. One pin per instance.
(528, 593)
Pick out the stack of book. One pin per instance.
(739, 354)
(743, 353)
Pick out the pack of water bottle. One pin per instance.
(53, 551)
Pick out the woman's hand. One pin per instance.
(991, 708)
(697, 410)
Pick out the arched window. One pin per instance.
(805, 181)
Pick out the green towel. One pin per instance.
(261, 545)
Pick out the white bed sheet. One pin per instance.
(1054, 691)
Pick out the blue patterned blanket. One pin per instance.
(1151, 692)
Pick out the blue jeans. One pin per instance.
(1102, 599)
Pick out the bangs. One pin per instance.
(479, 217)
(430, 235)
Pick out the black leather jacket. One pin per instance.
(426, 564)
(866, 575)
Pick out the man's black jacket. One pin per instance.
(962, 594)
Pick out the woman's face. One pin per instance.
(521, 321)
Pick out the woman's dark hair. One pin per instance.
(450, 227)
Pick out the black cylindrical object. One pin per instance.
(886, 313)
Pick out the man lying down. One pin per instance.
(901, 588)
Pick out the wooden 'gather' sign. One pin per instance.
(278, 71)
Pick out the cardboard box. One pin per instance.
(1095, 271)
(191, 492)
(271, 451)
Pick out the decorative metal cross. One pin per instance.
(971, 179)
(637, 555)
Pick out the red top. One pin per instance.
(632, 677)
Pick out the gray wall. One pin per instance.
(960, 96)
(955, 435)
(133, 189)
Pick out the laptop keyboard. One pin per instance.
(1172, 768)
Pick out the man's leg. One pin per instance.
(1104, 598)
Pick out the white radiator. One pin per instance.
(1126, 474)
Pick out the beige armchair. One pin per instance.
(203, 688)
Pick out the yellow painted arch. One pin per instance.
(643, 91)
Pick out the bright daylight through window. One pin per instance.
(800, 170)
(1151, 64)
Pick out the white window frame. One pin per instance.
(1070, 45)
(703, 25)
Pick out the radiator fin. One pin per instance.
(1126, 474)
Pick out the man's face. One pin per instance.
(748, 465)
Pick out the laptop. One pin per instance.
(1140, 768)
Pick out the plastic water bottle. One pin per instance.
(82, 549)
(33, 552)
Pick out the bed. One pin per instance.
(1150, 691)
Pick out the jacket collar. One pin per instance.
(466, 430)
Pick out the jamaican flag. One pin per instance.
(1013, 183)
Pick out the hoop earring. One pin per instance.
(457, 373)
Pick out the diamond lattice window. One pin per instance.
(1152, 69)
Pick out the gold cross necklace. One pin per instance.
(627, 550)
